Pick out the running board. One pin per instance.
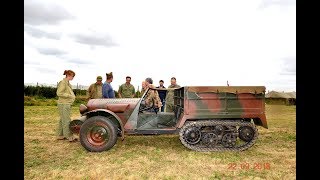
(153, 131)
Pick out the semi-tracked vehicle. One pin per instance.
(206, 118)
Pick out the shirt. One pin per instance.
(107, 90)
(162, 93)
(95, 91)
(65, 92)
(126, 90)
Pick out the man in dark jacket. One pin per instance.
(162, 94)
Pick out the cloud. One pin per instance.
(51, 51)
(30, 62)
(94, 39)
(41, 69)
(37, 13)
(35, 32)
(288, 66)
(281, 3)
(79, 61)
(45, 70)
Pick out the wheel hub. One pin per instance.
(229, 140)
(218, 130)
(98, 135)
(210, 139)
(246, 133)
(193, 135)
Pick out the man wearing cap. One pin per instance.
(126, 90)
(95, 89)
(107, 90)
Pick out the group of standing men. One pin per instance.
(160, 98)
(98, 90)
(163, 98)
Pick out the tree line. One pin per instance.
(47, 92)
(50, 92)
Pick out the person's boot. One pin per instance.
(72, 139)
(61, 138)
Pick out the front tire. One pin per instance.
(98, 134)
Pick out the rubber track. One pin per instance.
(202, 123)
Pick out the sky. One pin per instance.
(201, 43)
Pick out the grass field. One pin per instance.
(157, 157)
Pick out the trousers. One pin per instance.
(63, 125)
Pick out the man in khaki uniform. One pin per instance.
(95, 89)
(126, 90)
(170, 94)
(152, 97)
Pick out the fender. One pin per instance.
(98, 111)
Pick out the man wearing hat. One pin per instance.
(95, 89)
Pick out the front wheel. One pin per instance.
(97, 134)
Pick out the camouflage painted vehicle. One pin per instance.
(207, 118)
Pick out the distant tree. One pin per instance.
(41, 91)
(47, 92)
(80, 92)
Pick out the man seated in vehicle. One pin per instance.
(152, 99)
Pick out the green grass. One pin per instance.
(157, 157)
